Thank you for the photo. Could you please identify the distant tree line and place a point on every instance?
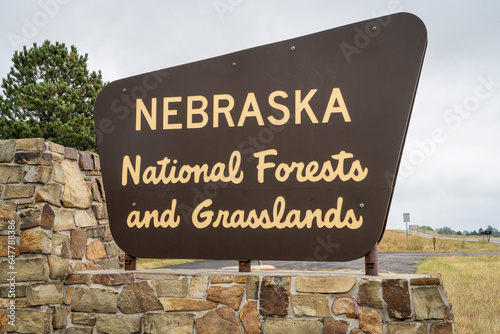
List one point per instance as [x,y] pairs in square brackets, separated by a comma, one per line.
[488,232]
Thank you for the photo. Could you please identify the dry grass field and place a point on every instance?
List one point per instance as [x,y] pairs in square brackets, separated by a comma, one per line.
[472,286]
[394,241]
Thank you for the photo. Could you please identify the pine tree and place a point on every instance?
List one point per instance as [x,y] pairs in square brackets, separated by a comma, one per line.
[50,93]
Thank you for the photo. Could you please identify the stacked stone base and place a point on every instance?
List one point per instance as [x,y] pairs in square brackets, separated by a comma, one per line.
[167,301]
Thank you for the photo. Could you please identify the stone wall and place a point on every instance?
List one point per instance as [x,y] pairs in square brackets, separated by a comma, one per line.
[60,271]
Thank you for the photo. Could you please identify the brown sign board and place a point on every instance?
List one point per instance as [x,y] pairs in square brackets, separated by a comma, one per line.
[287,151]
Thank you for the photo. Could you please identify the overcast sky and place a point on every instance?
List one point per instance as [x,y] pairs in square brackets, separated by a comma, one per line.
[451,179]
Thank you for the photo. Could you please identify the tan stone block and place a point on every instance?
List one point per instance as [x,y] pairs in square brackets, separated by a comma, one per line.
[83,318]
[346,305]
[223,319]
[99,211]
[96,192]
[19,291]
[68,295]
[34,215]
[325,284]
[138,298]
[290,326]
[58,267]
[79,330]
[50,193]
[430,302]
[58,173]
[230,296]
[249,317]
[35,269]
[7,150]
[30,144]
[95,250]
[442,327]
[370,320]
[45,293]
[310,306]
[76,278]
[94,300]
[85,218]
[60,245]
[274,295]
[198,287]
[16,191]
[112,279]
[64,220]
[78,243]
[3,322]
[118,324]
[4,247]
[97,161]
[407,328]
[33,158]
[186,304]
[335,326]
[59,316]
[37,174]
[240,279]
[70,153]
[77,195]
[217,279]
[425,281]
[369,293]
[35,241]
[8,213]
[57,158]
[172,288]
[159,323]
[155,276]
[112,249]
[10,174]
[56,148]
[30,321]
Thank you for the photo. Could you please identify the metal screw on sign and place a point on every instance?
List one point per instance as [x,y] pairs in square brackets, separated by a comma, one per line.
[233,64]
[292,48]
[374,28]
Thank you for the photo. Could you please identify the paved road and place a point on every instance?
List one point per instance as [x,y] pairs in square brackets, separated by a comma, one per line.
[400,263]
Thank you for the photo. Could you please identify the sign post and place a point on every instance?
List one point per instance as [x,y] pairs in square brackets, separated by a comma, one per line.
[406,219]
[287,151]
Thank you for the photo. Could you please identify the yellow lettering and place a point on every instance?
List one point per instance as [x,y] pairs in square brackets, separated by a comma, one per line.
[336,96]
[207,216]
[283,108]
[226,111]
[134,172]
[304,105]
[250,102]
[261,166]
[191,110]
[140,109]
[170,112]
